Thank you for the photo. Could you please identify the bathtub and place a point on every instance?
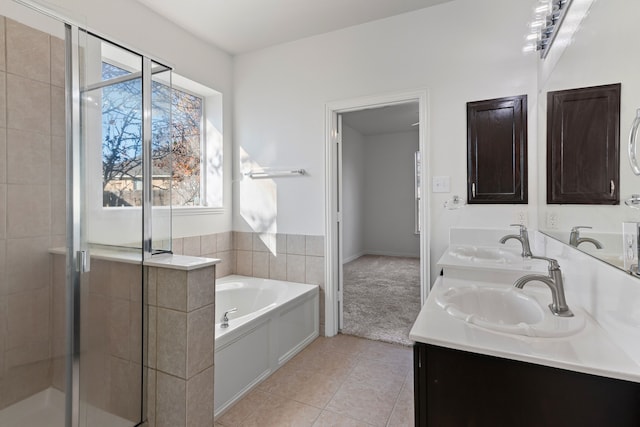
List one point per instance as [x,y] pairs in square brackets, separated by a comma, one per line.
[274,321]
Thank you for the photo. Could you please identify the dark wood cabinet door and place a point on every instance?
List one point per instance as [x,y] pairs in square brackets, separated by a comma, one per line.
[497,150]
[454,388]
[583,146]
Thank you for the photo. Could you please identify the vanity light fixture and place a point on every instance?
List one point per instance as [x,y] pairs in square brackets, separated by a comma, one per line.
[547,18]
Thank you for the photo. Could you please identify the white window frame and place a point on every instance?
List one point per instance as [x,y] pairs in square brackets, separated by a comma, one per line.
[101,228]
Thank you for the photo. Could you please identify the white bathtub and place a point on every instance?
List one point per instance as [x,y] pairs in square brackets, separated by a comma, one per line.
[274,321]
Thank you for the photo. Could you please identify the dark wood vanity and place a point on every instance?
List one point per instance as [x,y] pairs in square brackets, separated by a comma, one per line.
[456,388]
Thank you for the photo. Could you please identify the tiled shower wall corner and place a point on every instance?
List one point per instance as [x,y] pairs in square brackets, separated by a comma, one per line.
[32,203]
[292,257]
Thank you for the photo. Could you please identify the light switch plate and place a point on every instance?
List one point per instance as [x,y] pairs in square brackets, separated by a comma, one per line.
[441,184]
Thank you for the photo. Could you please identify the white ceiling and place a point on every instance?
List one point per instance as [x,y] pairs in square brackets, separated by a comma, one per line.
[389,119]
[239,26]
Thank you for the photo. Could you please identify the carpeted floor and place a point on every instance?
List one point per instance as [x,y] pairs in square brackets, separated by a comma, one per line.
[381,297]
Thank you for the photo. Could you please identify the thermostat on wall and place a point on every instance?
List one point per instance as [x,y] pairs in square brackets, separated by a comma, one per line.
[441,184]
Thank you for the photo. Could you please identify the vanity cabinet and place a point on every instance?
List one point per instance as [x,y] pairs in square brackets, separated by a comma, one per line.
[455,388]
[583,146]
[497,150]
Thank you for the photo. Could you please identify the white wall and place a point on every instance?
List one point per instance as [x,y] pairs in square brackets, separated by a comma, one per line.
[389,195]
[353,191]
[460,51]
[133,25]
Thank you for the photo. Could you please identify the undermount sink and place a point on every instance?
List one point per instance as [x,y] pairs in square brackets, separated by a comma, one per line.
[485,254]
[507,310]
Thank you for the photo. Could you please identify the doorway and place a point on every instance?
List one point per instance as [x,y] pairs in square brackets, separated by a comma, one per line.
[377,256]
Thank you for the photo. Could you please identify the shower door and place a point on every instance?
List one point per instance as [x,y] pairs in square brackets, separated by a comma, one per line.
[126,101]
[108,177]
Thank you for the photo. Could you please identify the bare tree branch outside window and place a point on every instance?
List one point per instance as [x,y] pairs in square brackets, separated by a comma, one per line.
[176,143]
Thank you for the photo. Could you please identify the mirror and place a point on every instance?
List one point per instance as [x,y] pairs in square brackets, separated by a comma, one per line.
[597,45]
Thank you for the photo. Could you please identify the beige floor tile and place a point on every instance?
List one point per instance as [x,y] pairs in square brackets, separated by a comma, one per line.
[409,381]
[254,402]
[339,343]
[339,381]
[386,352]
[378,369]
[282,413]
[403,413]
[330,419]
[277,379]
[324,361]
[364,402]
[304,386]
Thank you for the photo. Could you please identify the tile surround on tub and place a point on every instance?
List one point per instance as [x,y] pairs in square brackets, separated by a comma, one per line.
[292,257]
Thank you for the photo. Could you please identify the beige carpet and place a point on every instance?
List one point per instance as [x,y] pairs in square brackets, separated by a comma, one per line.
[381,297]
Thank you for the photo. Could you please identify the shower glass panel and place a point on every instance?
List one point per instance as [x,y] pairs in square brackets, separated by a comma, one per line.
[113,126]
[110,368]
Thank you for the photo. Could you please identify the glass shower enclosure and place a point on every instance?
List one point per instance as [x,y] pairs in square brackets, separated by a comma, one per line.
[85,173]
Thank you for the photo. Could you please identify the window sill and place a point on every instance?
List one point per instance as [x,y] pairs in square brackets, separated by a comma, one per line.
[196,210]
[175,211]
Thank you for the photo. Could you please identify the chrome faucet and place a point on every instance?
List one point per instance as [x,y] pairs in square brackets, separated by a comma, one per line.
[522,238]
[559,305]
[575,239]
[225,318]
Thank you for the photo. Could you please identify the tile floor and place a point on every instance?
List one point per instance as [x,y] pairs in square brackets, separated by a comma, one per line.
[341,381]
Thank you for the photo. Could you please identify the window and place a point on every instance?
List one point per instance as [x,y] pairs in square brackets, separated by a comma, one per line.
[186,166]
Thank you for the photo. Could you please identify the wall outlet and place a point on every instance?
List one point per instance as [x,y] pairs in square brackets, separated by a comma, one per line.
[552,220]
[521,217]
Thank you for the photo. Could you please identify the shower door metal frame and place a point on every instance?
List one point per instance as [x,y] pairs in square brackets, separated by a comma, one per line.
[77,251]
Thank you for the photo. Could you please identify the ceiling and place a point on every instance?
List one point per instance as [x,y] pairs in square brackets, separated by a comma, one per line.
[389,119]
[239,26]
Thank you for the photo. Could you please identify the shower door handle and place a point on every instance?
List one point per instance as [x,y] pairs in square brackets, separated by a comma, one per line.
[83,265]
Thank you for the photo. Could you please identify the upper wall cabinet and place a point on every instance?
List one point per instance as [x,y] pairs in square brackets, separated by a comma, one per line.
[497,150]
[583,146]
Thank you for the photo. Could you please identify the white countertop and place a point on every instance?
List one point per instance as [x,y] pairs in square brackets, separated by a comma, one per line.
[589,351]
[513,262]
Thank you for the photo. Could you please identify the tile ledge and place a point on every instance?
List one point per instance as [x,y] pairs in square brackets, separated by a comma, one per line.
[171,261]
[180,262]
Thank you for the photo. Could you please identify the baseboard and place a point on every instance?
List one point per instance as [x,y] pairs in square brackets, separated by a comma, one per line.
[353,257]
[394,254]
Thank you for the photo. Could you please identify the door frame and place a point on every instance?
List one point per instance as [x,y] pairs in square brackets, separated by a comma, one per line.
[333,162]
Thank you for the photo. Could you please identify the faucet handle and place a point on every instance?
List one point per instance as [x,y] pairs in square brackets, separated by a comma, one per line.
[224,316]
[578,227]
[523,227]
[553,263]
